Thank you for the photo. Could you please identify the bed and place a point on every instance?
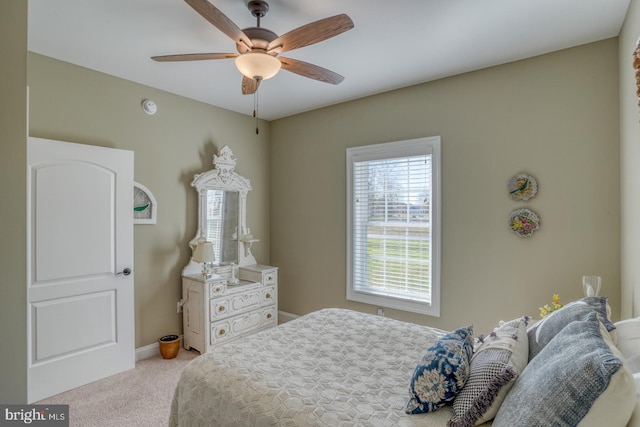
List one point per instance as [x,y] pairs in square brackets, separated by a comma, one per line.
[335,367]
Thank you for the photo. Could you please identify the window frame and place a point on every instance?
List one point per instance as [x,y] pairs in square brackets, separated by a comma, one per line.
[389,150]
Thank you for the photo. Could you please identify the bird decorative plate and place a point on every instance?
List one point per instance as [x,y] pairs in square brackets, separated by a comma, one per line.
[522,187]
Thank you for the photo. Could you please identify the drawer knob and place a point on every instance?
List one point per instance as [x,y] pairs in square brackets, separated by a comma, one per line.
[221,332]
[221,308]
[268,296]
[269,278]
[269,316]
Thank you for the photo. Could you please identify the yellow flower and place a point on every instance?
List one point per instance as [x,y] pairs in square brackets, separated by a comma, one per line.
[546,309]
[556,302]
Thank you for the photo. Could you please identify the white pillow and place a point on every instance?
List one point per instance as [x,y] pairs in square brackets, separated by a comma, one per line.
[635,418]
[628,334]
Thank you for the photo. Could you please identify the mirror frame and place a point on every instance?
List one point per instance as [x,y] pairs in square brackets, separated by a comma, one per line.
[223,177]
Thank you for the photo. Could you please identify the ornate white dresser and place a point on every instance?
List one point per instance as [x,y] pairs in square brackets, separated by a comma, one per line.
[231,295]
[216,312]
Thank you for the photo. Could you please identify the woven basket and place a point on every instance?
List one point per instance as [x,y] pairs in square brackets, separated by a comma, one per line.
[169,346]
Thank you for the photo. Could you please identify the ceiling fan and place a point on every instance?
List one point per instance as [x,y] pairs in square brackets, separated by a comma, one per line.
[258,48]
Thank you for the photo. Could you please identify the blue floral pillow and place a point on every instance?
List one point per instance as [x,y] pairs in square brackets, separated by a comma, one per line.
[441,373]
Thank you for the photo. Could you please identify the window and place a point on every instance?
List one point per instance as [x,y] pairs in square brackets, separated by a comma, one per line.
[393,225]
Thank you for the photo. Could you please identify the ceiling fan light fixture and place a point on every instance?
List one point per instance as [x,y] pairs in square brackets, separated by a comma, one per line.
[258,65]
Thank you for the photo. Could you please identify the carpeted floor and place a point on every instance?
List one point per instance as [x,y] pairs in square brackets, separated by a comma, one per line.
[139,397]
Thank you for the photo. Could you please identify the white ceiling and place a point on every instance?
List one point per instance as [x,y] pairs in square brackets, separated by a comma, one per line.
[394,43]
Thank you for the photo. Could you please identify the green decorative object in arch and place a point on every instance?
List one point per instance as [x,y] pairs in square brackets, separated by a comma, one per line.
[145,207]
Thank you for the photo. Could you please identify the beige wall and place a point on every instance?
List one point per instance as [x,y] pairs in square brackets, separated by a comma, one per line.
[630,172]
[554,116]
[74,104]
[13,160]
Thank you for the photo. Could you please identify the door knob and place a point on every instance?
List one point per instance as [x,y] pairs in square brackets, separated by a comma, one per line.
[126,272]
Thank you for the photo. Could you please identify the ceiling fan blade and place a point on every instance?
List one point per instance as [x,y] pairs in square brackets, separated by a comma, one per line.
[249,86]
[311,33]
[220,21]
[193,57]
[311,71]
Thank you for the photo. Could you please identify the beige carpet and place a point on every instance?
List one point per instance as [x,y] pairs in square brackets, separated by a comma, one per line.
[138,397]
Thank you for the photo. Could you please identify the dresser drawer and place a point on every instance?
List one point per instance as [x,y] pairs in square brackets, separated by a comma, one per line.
[243,324]
[233,304]
[217,289]
[219,309]
[270,278]
[264,274]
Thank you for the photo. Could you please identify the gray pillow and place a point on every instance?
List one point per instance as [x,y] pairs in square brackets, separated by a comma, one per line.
[559,386]
[543,332]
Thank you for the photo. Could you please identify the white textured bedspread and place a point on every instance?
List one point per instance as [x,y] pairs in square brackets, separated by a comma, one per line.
[332,367]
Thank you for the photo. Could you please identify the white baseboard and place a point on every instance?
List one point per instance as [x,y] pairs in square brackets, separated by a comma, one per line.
[283,317]
[150,350]
[147,351]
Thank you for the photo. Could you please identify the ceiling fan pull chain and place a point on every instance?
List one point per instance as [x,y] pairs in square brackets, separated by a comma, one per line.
[255,109]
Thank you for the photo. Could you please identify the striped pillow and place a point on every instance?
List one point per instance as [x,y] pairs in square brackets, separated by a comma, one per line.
[495,366]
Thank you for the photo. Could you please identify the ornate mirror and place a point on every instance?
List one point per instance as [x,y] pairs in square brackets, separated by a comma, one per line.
[222,198]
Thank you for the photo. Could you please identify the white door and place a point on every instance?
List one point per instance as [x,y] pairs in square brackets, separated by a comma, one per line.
[79,265]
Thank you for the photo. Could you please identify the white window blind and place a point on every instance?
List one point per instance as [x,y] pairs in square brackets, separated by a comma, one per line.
[215,219]
[393,201]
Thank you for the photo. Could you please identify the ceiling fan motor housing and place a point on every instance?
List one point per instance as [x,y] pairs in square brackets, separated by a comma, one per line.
[260,37]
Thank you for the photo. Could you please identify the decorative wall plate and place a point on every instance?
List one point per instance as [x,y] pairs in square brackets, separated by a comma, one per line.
[524,222]
[145,207]
[522,187]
